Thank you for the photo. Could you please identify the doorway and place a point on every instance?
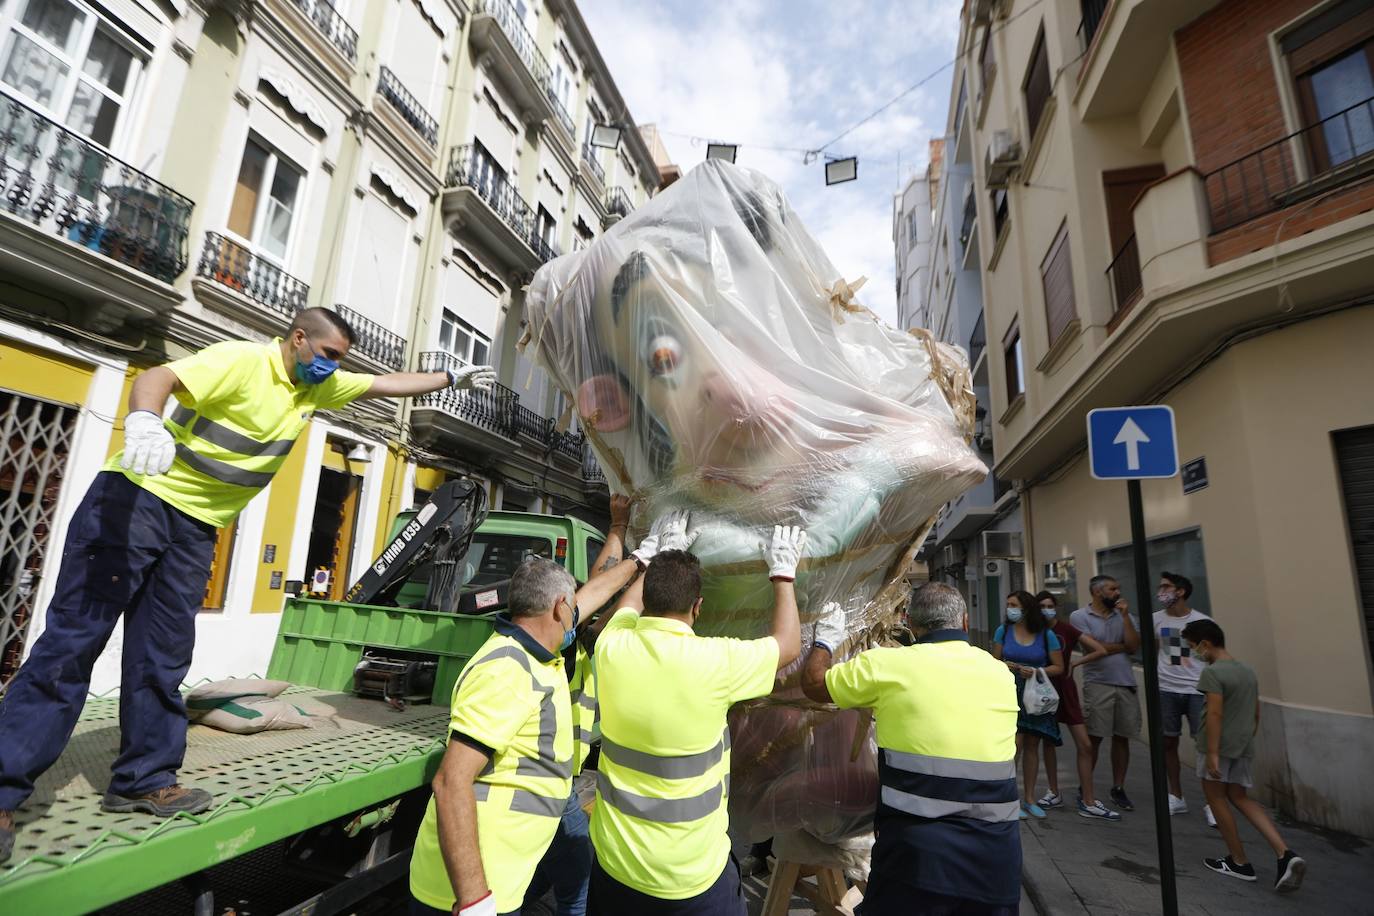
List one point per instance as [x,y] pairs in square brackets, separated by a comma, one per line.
[332,532]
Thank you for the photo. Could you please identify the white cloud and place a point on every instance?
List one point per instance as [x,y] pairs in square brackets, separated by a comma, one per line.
[793,73]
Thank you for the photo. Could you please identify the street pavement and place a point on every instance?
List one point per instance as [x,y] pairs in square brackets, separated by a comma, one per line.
[1074,866]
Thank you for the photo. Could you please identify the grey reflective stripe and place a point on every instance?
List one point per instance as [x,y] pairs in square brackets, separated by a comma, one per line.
[684,767]
[581,734]
[226,438]
[225,473]
[523,801]
[585,701]
[921,806]
[949,766]
[659,810]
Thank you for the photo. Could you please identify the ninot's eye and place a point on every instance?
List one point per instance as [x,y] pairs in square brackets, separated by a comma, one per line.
[664,355]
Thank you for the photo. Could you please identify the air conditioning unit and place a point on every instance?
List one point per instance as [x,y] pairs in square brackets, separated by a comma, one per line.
[999,568]
[951,557]
[1003,158]
[1002,544]
[981,11]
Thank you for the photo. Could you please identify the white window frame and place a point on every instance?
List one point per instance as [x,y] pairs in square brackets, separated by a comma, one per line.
[269,175]
[11,24]
[448,316]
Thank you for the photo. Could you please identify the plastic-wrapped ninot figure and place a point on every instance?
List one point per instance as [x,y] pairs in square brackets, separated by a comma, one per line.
[718,363]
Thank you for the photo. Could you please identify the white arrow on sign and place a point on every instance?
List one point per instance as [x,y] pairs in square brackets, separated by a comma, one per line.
[1131,436]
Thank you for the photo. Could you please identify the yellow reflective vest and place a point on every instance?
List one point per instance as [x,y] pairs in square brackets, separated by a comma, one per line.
[511,699]
[234,426]
[660,821]
[586,713]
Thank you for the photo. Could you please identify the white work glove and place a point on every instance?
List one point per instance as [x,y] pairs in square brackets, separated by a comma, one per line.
[668,532]
[483,907]
[784,552]
[148,447]
[830,628]
[482,377]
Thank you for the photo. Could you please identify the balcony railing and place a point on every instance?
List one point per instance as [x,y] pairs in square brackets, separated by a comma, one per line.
[1123,275]
[468,169]
[526,49]
[331,25]
[589,157]
[62,183]
[1000,211]
[1311,161]
[970,219]
[591,468]
[1093,11]
[234,267]
[570,444]
[977,342]
[408,107]
[373,340]
[492,410]
[618,202]
[560,111]
[528,423]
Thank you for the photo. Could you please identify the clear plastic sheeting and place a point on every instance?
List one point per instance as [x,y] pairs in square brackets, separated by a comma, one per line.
[717,361]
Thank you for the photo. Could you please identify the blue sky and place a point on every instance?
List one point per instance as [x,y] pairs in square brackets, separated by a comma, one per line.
[793,73]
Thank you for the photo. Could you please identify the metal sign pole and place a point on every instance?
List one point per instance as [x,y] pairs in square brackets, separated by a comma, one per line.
[1168,890]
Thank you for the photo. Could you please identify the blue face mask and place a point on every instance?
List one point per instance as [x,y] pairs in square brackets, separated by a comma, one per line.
[569,636]
[318,369]
[1014,614]
[1049,612]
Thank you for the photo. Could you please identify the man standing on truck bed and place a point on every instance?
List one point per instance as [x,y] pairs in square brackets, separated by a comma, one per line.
[505,779]
[141,542]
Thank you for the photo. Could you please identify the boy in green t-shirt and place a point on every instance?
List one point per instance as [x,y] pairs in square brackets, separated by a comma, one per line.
[1227,743]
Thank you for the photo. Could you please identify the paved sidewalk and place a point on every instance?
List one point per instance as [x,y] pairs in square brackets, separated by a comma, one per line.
[1075,866]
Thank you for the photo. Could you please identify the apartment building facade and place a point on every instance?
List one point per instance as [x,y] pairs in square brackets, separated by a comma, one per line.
[176,174]
[1173,205]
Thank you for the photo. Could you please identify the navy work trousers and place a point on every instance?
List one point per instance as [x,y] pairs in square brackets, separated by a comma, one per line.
[128,553]
[608,897]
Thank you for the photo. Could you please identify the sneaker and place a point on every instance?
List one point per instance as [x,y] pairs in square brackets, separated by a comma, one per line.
[1051,800]
[1230,869]
[164,802]
[7,834]
[1120,800]
[1034,810]
[1207,812]
[1097,810]
[1292,867]
[1177,805]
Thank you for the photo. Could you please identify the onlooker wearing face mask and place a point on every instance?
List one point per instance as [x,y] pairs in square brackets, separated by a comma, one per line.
[1178,674]
[1024,643]
[1070,714]
[1110,706]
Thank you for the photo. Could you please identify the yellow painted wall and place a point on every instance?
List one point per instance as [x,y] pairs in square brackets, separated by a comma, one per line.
[393,482]
[283,503]
[43,374]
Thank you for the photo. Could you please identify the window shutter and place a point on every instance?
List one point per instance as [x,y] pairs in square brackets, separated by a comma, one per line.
[1056,274]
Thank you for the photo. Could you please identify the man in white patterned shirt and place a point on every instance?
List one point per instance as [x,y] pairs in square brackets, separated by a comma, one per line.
[1178,674]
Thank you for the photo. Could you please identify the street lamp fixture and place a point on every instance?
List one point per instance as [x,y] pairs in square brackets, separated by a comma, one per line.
[361,454]
[838,171]
[724,151]
[606,136]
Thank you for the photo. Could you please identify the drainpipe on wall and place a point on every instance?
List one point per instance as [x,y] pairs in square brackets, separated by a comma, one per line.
[1023,494]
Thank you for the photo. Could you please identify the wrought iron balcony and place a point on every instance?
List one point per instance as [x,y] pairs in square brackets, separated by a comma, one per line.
[64,184]
[1123,275]
[234,267]
[618,202]
[407,106]
[560,111]
[589,157]
[591,468]
[977,342]
[519,36]
[970,219]
[1093,11]
[569,443]
[492,410]
[331,25]
[468,169]
[373,340]
[528,423]
[1333,152]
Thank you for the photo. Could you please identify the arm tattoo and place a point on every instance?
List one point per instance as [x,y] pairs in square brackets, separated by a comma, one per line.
[609,562]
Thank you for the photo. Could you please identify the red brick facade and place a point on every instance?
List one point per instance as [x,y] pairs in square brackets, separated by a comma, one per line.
[1231,92]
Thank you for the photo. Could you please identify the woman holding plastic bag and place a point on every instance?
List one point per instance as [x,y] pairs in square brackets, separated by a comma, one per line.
[1027,645]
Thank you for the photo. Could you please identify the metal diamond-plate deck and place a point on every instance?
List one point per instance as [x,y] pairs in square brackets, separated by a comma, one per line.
[266,786]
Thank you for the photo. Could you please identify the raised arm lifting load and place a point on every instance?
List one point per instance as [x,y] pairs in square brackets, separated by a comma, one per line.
[717,361]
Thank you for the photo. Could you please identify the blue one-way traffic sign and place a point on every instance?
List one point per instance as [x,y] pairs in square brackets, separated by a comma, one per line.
[1129,443]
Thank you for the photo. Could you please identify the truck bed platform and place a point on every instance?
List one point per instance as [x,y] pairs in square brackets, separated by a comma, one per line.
[71,857]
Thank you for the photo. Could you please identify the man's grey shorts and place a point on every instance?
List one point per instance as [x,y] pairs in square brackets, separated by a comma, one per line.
[1174,706]
[1110,710]
[1234,770]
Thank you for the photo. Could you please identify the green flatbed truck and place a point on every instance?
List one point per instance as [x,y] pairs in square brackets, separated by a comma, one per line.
[342,799]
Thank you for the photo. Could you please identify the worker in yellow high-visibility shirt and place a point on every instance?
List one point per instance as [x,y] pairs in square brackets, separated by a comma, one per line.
[948,812]
[505,779]
[660,821]
[141,542]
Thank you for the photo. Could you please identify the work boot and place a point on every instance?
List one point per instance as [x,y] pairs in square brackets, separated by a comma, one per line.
[6,834]
[163,802]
